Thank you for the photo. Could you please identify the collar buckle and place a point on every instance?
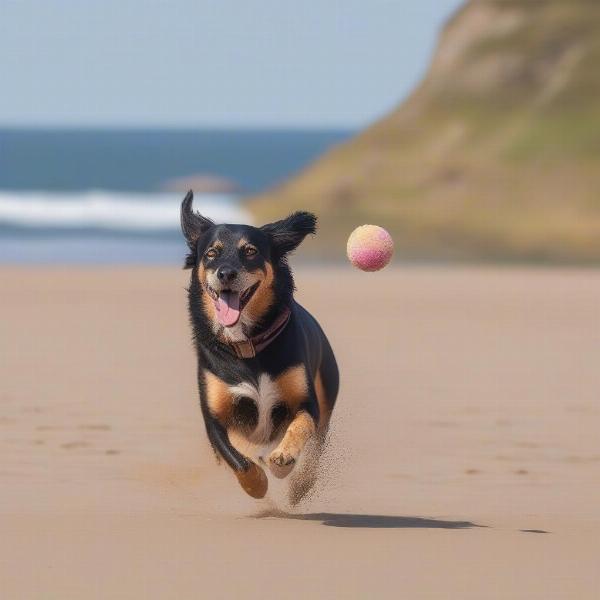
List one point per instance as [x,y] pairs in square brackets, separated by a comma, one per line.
[244,349]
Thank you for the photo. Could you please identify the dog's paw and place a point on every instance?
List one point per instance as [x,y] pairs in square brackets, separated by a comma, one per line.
[281,463]
[254,481]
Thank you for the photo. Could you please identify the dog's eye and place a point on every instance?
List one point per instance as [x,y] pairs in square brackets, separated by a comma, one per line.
[250,251]
[212,253]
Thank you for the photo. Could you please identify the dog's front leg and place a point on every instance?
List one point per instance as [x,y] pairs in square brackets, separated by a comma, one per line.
[299,431]
[251,477]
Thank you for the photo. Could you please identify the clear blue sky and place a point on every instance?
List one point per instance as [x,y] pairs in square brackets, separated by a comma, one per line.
[212,63]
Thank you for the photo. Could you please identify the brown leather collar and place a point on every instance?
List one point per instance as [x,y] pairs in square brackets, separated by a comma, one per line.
[251,347]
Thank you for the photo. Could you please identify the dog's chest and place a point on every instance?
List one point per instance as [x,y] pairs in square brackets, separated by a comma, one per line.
[253,406]
[261,407]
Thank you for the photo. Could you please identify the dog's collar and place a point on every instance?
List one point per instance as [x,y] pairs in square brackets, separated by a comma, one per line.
[252,346]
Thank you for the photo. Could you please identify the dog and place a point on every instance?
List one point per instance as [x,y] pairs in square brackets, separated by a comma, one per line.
[267,375]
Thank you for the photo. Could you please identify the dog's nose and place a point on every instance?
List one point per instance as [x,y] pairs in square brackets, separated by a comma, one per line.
[226,274]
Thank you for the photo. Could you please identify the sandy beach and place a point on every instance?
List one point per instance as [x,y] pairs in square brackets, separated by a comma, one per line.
[464,460]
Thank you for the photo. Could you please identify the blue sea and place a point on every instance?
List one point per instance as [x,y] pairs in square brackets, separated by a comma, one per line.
[106,196]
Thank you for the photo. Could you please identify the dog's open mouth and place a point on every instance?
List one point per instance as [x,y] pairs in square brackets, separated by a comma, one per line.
[229,304]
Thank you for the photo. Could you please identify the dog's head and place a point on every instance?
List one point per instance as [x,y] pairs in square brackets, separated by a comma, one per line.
[240,273]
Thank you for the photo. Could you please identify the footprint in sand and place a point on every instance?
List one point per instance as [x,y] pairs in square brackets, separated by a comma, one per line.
[582,459]
[95,427]
[533,531]
[74,445]
[527,445]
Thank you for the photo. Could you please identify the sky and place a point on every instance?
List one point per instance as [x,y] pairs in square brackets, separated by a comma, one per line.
[217,63]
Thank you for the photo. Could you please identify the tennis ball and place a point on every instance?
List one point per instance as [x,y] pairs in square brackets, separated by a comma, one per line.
[370,247]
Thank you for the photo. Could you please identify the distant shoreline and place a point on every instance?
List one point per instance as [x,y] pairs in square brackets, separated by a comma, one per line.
[144,160]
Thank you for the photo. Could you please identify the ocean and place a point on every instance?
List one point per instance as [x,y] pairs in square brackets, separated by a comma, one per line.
[112,196]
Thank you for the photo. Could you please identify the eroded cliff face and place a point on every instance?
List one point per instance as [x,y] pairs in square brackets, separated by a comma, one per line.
[494,155]
[525,51]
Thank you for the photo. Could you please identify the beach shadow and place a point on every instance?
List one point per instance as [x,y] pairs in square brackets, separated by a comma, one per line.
[358,521]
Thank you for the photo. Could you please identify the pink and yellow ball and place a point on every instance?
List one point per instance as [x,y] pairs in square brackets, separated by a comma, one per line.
[370,247]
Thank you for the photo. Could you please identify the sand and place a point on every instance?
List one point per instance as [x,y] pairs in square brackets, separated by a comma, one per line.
[464,462]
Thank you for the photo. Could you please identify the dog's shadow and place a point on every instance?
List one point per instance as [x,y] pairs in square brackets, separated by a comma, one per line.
[368,521]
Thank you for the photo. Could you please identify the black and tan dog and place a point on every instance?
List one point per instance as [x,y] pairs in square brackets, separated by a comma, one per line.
[267,375]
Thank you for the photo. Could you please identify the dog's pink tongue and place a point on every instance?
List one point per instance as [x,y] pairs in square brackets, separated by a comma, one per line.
[228,308]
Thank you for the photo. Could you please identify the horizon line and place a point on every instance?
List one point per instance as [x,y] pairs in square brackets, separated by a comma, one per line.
[177,127]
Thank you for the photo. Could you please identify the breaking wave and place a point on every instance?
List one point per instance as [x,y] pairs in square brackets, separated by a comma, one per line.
[120,212]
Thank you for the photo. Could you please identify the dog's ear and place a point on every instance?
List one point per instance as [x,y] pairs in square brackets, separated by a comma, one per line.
[193,225]
[287,234]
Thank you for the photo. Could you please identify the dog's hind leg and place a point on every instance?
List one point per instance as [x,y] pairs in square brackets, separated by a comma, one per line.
[304,480]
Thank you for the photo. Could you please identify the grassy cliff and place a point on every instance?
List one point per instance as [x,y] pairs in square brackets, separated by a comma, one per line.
[495,155]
